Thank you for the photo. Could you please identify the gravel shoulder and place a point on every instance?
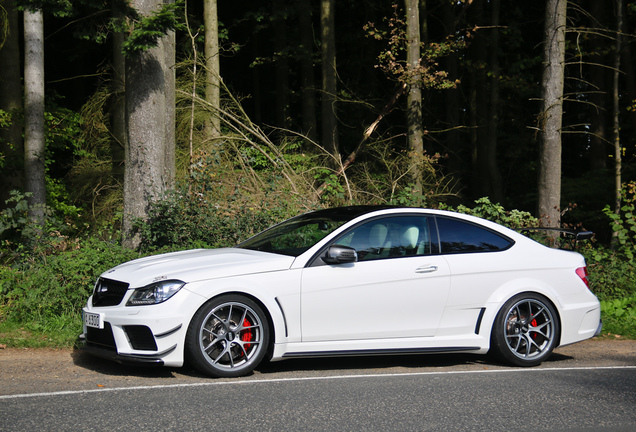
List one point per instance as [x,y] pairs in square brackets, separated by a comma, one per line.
[29,371]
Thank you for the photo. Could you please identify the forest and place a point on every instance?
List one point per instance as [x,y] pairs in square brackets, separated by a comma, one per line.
[130,127]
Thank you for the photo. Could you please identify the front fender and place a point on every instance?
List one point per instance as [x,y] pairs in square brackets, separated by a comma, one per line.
[283,308]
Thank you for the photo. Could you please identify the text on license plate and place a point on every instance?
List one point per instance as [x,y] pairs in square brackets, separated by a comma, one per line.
[93,320]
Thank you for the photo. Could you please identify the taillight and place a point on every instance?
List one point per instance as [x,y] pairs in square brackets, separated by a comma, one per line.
[582,273]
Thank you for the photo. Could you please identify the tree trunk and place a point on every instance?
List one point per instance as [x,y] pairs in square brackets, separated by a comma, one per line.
[495,188]
[213,68]
[479,99]
[118,108]
[424,20]
[452,108]
[598,79]
[549,187]
[308,82]
[329,76]
[149,103]
[11,143]
[629,79]
[414,97]
[34,140]
[281,65]
[618,153]
[169,90]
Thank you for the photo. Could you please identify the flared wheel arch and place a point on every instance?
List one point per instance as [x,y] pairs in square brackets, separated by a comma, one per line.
[546,298]
[264,308]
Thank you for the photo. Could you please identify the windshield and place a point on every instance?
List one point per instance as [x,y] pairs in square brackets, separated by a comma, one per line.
[298,234]
[292,237]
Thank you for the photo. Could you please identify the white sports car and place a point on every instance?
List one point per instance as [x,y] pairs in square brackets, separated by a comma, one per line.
[364,280]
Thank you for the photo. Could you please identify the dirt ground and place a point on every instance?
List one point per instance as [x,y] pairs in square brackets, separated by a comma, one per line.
[31,371]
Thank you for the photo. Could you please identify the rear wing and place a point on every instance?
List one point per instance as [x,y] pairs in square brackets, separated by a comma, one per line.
[565,238]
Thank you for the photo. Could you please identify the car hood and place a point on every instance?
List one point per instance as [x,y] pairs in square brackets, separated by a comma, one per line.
[197,264]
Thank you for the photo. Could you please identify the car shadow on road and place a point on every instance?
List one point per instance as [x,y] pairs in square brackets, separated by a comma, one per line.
[379,364]
[112,368]
[415,361]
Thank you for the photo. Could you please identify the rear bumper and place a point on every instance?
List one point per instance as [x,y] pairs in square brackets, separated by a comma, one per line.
[599,329]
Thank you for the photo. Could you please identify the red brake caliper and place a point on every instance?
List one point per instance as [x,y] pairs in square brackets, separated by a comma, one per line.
[534,324]
[247,334]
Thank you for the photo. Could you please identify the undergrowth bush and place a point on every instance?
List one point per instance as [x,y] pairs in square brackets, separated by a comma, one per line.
[182,221]
[613,269]
[497,213]
[216,207]
[46,293]
[42,292]
[619,315]
[17,231]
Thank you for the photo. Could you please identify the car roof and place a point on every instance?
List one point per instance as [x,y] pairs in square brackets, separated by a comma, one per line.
[349,212]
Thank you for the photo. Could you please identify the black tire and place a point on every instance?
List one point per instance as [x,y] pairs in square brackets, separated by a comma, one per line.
[526,330]
[227,337]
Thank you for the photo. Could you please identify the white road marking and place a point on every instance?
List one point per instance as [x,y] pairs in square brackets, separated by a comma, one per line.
[317,378]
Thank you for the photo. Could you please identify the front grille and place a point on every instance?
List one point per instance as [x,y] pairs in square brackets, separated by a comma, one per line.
[103,337]
[140,337]
[109,292]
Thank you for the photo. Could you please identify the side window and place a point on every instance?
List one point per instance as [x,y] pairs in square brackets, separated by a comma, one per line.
[458,236]
[390,237]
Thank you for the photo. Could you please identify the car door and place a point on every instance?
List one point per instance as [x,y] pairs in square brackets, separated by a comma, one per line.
[396,289]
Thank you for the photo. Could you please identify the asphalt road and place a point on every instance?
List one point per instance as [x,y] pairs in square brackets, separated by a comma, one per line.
[587,387]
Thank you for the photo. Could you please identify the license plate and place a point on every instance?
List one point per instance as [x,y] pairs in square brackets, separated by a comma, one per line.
[94,320]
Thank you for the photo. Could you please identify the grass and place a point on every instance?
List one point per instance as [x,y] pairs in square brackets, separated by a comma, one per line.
[60,333]
[624,327]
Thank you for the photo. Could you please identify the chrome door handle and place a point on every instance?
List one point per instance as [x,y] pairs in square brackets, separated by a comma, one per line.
[426,269]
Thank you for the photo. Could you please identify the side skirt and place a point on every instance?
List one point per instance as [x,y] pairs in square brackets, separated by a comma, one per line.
[376,352]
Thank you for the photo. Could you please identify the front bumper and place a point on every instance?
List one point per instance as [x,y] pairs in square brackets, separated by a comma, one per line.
[151,335]
[127,359]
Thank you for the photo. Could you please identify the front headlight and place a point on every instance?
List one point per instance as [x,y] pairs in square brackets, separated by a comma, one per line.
[154,293]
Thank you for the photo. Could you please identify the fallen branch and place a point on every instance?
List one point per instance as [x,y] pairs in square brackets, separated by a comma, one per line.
[367,133]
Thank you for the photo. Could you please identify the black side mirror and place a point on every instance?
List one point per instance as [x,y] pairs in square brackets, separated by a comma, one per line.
[337,254]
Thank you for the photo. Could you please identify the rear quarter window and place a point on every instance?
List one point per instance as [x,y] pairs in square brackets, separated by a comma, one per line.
[456,236]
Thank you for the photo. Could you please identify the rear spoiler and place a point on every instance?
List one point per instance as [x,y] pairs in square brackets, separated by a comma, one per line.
[568,236]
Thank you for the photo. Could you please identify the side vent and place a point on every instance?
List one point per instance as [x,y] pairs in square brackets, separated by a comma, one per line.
[479,318]
[140,337]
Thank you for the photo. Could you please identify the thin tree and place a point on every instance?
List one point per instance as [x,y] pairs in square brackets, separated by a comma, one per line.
[495,188]
[329,76]
[618,156]
[169,94]
[281,64]
[307,91]
[599,97]
[414,96]
[452,110]
[34,140]
[118,107]
[484,101]
[11,143]
[212,66]
[478,99]
[549,187]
